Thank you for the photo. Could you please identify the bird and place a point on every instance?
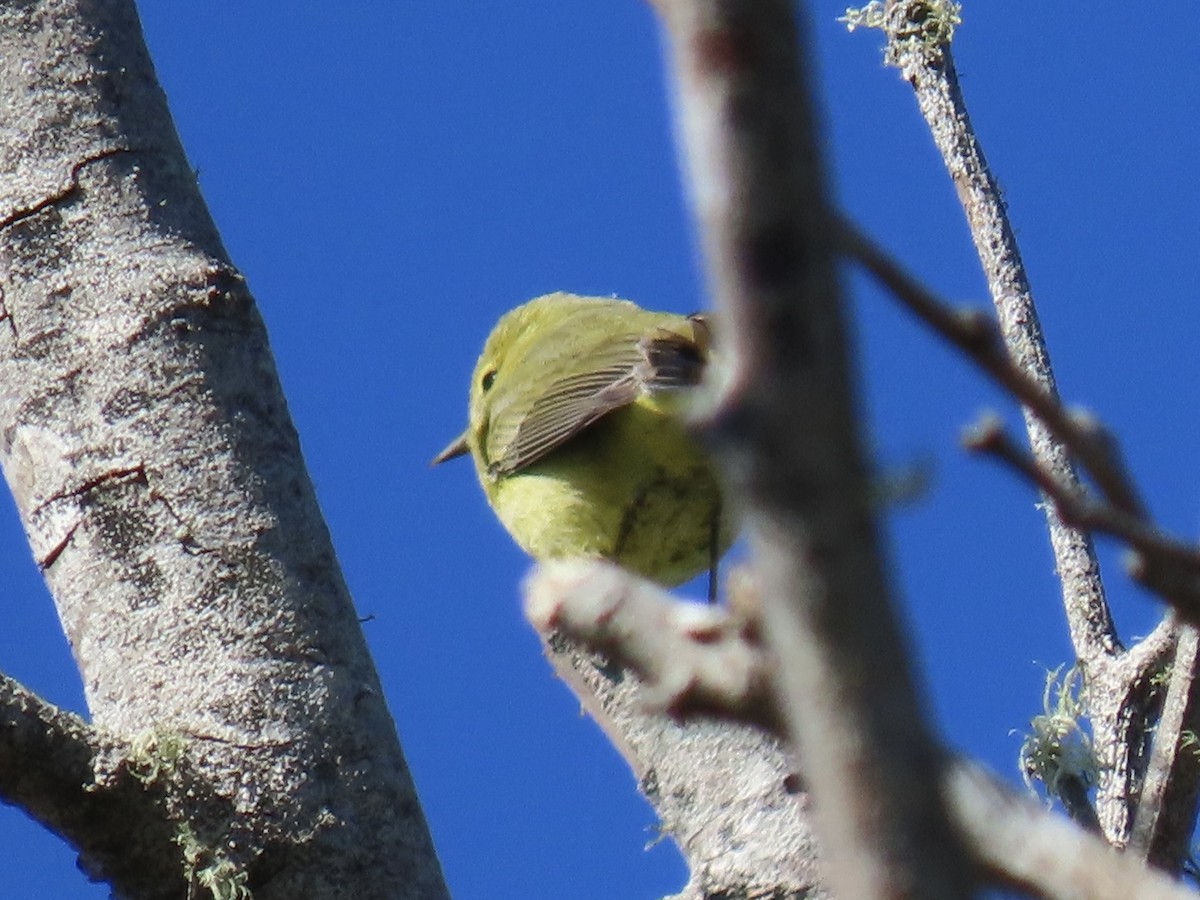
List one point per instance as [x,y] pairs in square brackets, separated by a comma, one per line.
[576,429]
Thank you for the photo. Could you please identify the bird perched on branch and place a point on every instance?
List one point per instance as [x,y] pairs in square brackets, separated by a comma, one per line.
[576,431]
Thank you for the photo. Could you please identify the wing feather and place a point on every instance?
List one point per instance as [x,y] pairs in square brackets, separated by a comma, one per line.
[671,360]
[568,406]
[626,365]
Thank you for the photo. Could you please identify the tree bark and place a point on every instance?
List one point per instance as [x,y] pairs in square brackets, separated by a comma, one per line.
[786,429]
[159,478]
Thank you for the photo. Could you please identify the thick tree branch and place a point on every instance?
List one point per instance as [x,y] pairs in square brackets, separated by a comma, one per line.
[48,762]
[726,793]
[787,431]
[159,477]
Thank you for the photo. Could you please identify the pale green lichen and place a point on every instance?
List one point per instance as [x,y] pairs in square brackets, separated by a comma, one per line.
[869,16]
[1058,747]
[217,874]
[929,26]
[155,755]
[156,758]
[1190,742]
[1161,678]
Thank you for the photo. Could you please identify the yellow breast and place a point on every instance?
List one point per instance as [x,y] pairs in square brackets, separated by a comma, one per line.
[653,512]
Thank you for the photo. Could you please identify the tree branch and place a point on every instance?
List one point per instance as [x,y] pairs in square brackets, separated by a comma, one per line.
[48,759]
[787,432]
[1164,564]
[976,335]
[692,659]
[929,67]
[1025,846]
[639,626]
[159,477]
[1120,710]
[725,793]
[1166,812]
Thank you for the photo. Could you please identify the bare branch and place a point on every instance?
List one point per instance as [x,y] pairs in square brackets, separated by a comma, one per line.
[977,336]
[1167,565]
[1026,846]
[929,67]
[1167,807]
[726,793]
[48,759]
[1163,559]
[691,658]
[787,432]
[918,44]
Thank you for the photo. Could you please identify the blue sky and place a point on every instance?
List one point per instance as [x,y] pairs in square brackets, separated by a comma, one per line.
[391,177]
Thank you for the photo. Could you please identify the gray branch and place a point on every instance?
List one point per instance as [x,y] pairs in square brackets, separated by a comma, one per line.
[1121,703]
[48,763]
[1166,812]
[159,478]
[726,793]
[732,799]
[787,431]
[929,68]
[1025,846]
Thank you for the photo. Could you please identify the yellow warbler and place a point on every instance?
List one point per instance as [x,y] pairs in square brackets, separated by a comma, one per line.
[574,430]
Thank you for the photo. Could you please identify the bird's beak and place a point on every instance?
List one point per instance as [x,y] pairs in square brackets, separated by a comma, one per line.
[456,447]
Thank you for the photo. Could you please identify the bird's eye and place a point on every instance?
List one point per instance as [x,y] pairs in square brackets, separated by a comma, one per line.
[486,381]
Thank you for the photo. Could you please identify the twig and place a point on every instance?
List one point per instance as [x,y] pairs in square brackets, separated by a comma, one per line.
[1163,559]
[1168,565]
[1167,806]
[977,336]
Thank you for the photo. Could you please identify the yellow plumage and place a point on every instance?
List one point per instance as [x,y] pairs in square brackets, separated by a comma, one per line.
[577,441]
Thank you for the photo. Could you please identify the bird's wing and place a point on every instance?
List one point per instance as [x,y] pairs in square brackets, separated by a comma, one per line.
[672,360]
[625,367]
